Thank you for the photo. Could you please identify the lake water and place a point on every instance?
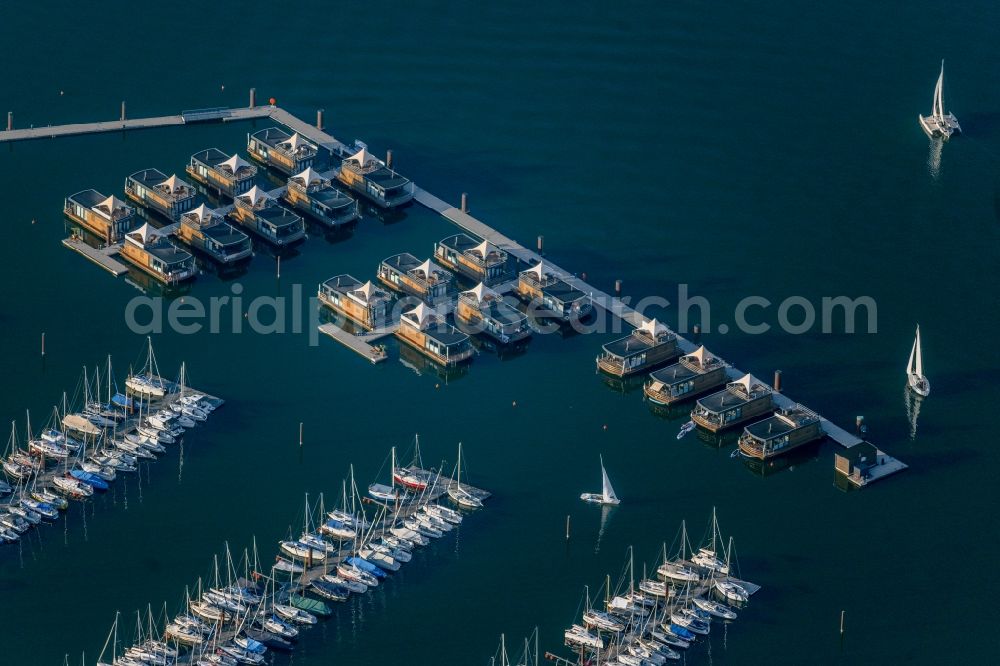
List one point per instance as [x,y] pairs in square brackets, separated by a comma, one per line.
[737,149]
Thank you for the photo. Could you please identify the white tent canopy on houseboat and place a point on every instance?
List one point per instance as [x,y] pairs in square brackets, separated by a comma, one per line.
[747,381]
[421,314]
[235,163]
[701,355]
[202,213]
[483,249]
[362,157]
[173,184]
[309,176]
[653,327]
[428,268]
[293,142]
[145,233]
[366,291]
[255,195]
[538,270]
[481,292]
[111,204]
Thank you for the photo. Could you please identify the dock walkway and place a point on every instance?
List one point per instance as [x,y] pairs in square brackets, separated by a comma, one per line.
[103,257]
[362,344]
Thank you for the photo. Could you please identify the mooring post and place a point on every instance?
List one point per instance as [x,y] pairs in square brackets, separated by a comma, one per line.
[43,344]
[777,380]
[253,98]
[618,288]
[465,202]
[279,267]
[300,434]
[319,119]
[842,622]
[10,120]
[567,527]
[541,245]
[123,110]
[388,158]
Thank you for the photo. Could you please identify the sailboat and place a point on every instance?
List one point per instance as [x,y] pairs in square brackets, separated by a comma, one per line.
[607,494]
[915,369]
[389,494]
[413,476]
[708,556]
[939,125]
[462,496]
[147,383]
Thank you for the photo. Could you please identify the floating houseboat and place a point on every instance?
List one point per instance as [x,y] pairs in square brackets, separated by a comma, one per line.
[152,253]
[227,174]
[275,148]
[692,375]
[741,400]
[784,431]
[153,189]
[203,230]
[369,176]
[365,304]
[312,194]
[407,274]
[108,217]
[484,310]
[555,297]
[257,211]
[483,261]
[429,333]
[647,347]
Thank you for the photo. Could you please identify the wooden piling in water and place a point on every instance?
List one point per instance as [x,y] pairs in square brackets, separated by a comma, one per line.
[567,527]
[777,380]
[123,111]
[465,202]
[319,119]
[388,158]
[10,120]
[43,344]
[253,98]
[300,434]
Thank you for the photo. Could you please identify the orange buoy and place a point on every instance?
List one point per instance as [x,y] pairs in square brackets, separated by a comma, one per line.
[272,101]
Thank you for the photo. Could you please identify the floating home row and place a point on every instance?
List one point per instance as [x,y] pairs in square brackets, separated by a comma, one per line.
[225,239]
[481,309]
[745,402]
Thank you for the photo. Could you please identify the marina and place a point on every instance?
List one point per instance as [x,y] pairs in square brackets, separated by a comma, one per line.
[250,609]
[559,294]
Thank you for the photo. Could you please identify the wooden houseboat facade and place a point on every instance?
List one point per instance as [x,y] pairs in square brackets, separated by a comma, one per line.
[153,189]
[207,232]
[780,433]
[483,310]
[429,333]
[369,176]
[156,256]
[314,195]
[258,212]
[108,217]
[552,296]
[741,400]
[648,346]
[407,274]
[227,174]
[364,304]
[693,375]
[480,261]
[274,147]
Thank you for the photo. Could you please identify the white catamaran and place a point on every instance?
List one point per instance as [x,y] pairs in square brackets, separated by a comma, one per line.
[915,369]
[939,125]
[607,494]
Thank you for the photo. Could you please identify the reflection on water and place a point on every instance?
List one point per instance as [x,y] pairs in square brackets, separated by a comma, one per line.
[422,365]
[150,286]
[672,412]
[934,158]
[606,511]
[787,461]
[912,402]
[484,343]
[717,440]
[623,385]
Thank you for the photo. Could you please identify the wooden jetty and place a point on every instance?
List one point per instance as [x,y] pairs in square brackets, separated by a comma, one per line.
[362,343]
[103,256]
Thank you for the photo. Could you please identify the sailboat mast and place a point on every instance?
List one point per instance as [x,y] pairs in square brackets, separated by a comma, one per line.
[918,367]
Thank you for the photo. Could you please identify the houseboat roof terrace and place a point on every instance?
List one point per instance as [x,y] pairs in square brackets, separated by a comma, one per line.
[213,226]
[427,270]
[366,294]
[644,338]
[230,164]
[483,252]
[736,393]
[157,245]
[170,187]
[492,305]
[293,145]
[111,207]
[372,168]
[434,325]
[781,423]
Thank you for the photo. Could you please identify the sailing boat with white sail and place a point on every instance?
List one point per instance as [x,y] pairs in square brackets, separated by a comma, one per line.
[939,125]
[607,494]
[915,378]
[462,496]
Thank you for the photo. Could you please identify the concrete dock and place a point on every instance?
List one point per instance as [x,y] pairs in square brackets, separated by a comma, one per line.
[103,257]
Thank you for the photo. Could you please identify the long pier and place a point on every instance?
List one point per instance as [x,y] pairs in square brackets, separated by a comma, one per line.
[460,218]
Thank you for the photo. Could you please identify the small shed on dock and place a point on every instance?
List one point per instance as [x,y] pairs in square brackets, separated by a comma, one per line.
[857,462]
